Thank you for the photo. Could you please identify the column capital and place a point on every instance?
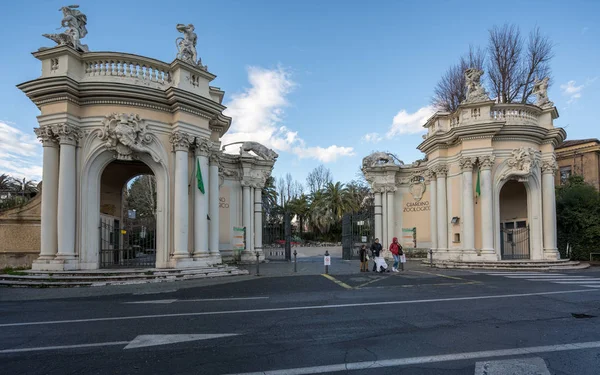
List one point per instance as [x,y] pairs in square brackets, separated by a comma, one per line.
[486,161]
[466,163]
[429,175]
[67,134]
[46,136]
[390,189]
[180,140]
[441,170]
[549,166]
[215,158]
[203,146]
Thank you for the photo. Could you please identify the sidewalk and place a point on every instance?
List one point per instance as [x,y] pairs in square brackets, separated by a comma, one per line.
[315,266]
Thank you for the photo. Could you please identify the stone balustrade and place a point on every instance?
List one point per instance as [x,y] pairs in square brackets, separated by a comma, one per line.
[98,66]
[515,114]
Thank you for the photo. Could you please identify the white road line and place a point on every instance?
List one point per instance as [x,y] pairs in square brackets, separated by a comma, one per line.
[592,286]
[167,301]
[589,281]
[6,351]
[508,273]
[545,277]
[427,359]
[317,307]
[564,279]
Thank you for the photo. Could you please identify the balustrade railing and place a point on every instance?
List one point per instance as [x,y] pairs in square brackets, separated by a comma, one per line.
[515,114]
[100,65]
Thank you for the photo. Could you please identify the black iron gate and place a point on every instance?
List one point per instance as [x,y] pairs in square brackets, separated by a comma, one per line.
[514,243]
[130,246]
[357,229]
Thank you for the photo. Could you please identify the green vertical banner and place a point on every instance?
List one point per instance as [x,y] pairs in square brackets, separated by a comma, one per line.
[199,176]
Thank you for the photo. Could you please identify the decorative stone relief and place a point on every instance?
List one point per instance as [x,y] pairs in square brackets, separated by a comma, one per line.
[46,135]
[550,165]
[428,174]
[214,157]
[521,164]
[440,170]
[487,161]
[540,90]
[125,134]
[417,187]
[75,22]
[466,163]
[475,91]
[181,140]
[67,134]
[260,151]
[186,46]
[380,158]
[203,146]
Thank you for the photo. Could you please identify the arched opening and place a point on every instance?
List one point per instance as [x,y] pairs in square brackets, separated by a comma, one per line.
[128,204]
[514,222]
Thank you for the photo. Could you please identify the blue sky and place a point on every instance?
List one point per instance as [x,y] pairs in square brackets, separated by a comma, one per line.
[309,78]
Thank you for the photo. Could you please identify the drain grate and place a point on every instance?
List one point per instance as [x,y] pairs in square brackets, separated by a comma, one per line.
[582,316]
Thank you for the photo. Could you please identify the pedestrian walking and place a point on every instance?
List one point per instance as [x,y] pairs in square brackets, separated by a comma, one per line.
[375,250]
[396,250]
[364,259]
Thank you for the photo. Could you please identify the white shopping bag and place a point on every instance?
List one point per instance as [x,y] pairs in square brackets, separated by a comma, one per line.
[402,258]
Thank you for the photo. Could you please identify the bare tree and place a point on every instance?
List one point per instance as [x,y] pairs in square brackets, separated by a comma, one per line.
[536,62]
[318,179]
[451,89]
[288,189]
[512,69]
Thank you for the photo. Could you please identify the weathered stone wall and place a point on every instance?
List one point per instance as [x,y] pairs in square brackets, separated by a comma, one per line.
[20,234]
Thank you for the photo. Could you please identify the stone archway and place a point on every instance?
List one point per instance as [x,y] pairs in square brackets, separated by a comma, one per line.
[514,224]
[99,158]
[127,237]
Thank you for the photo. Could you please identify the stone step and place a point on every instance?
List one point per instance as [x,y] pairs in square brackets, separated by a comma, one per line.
[122,273]
[75,279]
[530,266]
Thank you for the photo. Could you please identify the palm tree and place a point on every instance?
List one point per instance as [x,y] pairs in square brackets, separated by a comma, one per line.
[269,198]
[301,208]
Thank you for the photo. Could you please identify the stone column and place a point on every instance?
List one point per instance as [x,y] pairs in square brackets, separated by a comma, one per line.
[442,209]
[201,199]
[67,190]
[390,215]
[181,143]
[549,168]
[468,212]
[246,212]
[213,206]
[258,219]
[378,216]
[432,209]
[487,223]
[48,240]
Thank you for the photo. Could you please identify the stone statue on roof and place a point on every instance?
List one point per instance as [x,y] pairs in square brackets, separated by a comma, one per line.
[186,45]
[75,23]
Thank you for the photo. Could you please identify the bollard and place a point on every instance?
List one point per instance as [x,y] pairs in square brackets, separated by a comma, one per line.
[257,263]
[431,258]
[295,253]
[326,265]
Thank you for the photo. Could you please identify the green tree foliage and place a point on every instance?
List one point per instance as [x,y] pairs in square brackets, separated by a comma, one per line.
[578,218]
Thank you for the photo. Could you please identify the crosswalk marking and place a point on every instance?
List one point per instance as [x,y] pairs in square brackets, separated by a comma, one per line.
[556,278]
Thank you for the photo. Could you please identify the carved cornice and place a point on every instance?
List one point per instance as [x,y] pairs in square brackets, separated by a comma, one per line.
[181,141]
[466,163]
[67,134]
[46,136]
[219,123]
[486,161]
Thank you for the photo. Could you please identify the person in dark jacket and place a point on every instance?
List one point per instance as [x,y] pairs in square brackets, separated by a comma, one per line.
[364,259]
[375,251]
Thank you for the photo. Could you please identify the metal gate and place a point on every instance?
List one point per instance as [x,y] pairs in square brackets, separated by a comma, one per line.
[130,246]
[274,240]
[357,229]
[514,243]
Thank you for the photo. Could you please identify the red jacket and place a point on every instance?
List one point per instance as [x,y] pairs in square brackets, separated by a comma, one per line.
[395,247]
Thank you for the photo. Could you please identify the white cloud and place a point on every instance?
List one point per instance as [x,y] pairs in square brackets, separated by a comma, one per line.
[570,90]
[258,115]
[372,137]
[20,153]
[410,123]
[324,155]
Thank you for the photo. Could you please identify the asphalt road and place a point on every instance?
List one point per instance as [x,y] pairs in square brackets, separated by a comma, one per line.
[421,321]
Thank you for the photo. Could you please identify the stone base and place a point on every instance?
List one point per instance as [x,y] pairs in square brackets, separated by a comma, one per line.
[551,254]
[250,256]
[190,262]
[464,255]
[55,265]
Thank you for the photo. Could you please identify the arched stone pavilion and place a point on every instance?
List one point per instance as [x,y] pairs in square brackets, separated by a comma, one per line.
[510,214]
[106,117]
